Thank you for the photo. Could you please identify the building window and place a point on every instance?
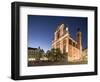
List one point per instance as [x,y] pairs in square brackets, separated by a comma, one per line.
[70,41]
[64,46]
[64,49]
[74,44]
[58,34]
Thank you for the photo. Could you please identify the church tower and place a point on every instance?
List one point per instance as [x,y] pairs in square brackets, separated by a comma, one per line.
[79,39]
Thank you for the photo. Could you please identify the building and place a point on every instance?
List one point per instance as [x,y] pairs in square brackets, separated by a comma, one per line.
[32,53]
[35,54]
[32,50]
[66,44]
[84,54]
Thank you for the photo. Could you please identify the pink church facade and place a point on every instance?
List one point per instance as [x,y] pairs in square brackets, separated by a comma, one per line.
[66,44]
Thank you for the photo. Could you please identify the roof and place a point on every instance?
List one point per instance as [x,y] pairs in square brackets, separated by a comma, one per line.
[60,26]
[72,39]
[30,48]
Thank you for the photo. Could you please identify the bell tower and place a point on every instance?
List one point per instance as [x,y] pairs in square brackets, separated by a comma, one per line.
[79,39]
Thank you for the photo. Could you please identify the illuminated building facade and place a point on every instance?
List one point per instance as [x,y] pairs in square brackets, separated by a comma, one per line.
[66,44]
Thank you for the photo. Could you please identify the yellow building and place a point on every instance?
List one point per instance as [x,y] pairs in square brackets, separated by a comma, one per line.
[65,43]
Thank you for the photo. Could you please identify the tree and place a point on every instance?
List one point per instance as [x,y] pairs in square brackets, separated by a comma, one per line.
[40,53]
[49,55]
[65,57]
[56,55]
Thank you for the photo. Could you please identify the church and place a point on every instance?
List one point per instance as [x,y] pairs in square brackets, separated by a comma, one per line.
[67,44]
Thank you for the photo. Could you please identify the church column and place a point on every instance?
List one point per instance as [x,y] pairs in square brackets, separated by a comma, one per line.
[61,46]
[66,44]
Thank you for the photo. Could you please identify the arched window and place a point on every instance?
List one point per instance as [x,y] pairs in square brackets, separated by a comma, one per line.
[64,46]
[58,34]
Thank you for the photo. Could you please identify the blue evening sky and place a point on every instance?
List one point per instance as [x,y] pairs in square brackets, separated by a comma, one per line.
[41,29]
